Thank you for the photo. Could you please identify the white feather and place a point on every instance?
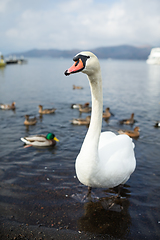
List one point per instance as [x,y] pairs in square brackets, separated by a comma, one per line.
[105,159]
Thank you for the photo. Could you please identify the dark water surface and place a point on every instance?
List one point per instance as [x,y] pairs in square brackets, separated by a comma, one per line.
[38,186]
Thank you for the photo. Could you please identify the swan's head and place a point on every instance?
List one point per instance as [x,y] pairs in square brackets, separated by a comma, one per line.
[85,62]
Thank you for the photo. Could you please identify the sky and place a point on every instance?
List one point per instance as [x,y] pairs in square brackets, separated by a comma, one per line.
[77,24]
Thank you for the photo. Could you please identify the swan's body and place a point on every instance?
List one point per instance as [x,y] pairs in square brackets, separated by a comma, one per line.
[133,134]
[8,106]
[105,159]
[30,121]
[40,140]
[46,111]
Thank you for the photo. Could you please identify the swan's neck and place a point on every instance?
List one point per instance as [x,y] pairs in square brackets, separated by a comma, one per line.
[91,140]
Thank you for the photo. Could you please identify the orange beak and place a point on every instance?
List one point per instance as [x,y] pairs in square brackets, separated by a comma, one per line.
[76,67]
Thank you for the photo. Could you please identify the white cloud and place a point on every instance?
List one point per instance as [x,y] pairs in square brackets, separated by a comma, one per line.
[81,24]
[3,5]
[12,33]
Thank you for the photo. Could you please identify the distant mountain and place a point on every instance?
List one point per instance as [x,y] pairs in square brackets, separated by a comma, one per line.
[123,52]
[115,52]
[54,53]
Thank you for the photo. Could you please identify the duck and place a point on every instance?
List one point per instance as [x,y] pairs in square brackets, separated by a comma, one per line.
[107,113]
[157,124]
[85,108]
[77,105]
[46,111]
[30,121]
[40,140]
[129,121]
[77,87]
[133,134]
[8,106]
[105,160]
[81,121]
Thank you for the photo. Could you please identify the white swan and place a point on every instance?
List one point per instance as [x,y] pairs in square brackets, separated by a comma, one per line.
[105,160]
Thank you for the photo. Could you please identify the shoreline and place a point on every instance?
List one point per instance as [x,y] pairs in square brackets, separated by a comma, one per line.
[13,230]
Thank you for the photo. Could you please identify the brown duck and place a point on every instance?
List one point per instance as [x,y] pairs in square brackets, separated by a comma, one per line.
[85,108]
[46,111]
[107,113]
[30,121]
[128,121]
[8,107]
[82,121]
[133,134]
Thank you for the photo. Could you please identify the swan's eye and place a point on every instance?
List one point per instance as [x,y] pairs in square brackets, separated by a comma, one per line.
[77,63]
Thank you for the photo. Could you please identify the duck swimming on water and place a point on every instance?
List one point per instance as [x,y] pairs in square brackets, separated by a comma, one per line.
[8,106]
[157,124]
[40,140]
[78,105]
[30,121]
[107,113]
[129,121]
[133,134]
[46,111]
[81,121]
[85,109]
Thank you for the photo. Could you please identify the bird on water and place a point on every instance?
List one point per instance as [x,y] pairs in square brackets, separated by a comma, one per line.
[105,160]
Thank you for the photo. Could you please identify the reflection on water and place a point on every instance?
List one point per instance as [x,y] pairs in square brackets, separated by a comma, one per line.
[109,215]
[37,185]
[153,76]
[106,216]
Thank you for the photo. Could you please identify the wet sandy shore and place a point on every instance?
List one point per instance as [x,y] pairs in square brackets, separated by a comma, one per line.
[13,230]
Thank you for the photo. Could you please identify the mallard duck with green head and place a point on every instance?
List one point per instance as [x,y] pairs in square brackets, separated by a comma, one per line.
[41,140]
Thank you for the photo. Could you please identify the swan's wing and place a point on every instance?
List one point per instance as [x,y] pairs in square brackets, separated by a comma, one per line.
[105,137]
[111,144]
[116,156]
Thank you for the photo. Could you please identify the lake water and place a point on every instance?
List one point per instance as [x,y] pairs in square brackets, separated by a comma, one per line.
[38,186]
